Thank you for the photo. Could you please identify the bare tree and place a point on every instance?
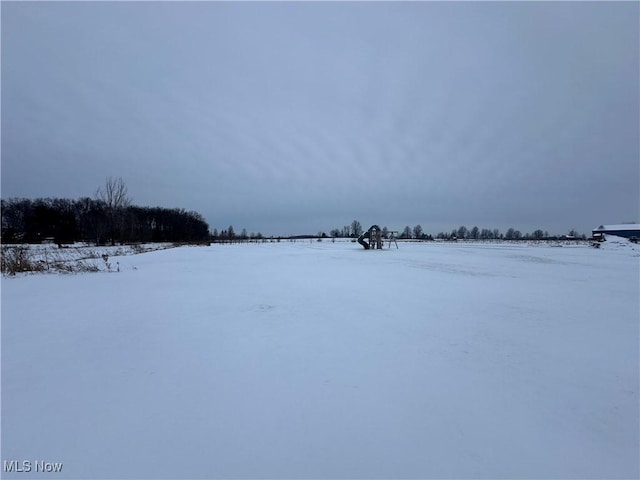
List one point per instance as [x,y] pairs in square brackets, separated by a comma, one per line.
[115,199]
[356,228]
[114,193]
[510,235]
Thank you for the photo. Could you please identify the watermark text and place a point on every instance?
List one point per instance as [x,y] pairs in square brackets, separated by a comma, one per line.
[29,466]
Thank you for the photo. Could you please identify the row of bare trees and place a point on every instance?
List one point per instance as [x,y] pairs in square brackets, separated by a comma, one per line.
[109,217]
[355,229]
[476,233]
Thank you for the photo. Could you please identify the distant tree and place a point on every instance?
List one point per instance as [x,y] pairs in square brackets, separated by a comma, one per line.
[346,231]
[243,234]
[496,233]
[385,232]
[417,231]
[231,234]
[406,233]
[356,228]
[475,233]
[462,232]
[15,213]
[538,234]
[510,234]
[41,220]
[517,235]
[335,233]
[66,228]
[92,221]
[115,197]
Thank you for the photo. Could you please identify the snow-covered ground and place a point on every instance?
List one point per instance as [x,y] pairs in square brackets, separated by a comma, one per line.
[323,360]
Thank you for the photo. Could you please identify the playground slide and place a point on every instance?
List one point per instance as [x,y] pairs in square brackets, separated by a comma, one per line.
[373,229]
[362,241]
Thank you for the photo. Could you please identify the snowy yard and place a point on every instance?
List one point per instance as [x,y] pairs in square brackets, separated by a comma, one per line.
[323,360]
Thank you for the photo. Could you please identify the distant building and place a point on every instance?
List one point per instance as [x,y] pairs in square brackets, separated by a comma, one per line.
[631,230]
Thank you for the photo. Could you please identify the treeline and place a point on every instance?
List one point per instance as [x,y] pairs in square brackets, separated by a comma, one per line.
[476,233]
[98,221]
[355,229]
[230,235]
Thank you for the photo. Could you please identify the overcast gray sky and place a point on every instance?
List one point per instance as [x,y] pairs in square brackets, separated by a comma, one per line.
[289,118]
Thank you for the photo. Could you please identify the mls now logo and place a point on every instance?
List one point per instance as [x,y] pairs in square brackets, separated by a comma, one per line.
[26,466]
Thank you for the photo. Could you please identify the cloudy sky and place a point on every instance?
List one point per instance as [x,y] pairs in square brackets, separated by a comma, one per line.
[287,118]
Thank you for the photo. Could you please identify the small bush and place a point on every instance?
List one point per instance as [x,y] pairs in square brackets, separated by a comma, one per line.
[18,258]
[21,259]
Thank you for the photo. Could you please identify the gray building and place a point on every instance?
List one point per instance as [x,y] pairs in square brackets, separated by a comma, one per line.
[629,230]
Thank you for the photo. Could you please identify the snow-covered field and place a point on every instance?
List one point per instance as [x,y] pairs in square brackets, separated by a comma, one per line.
[323,360]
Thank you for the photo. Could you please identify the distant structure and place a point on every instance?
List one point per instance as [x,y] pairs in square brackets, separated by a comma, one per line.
[372,238]
[392,237]
[631,230]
